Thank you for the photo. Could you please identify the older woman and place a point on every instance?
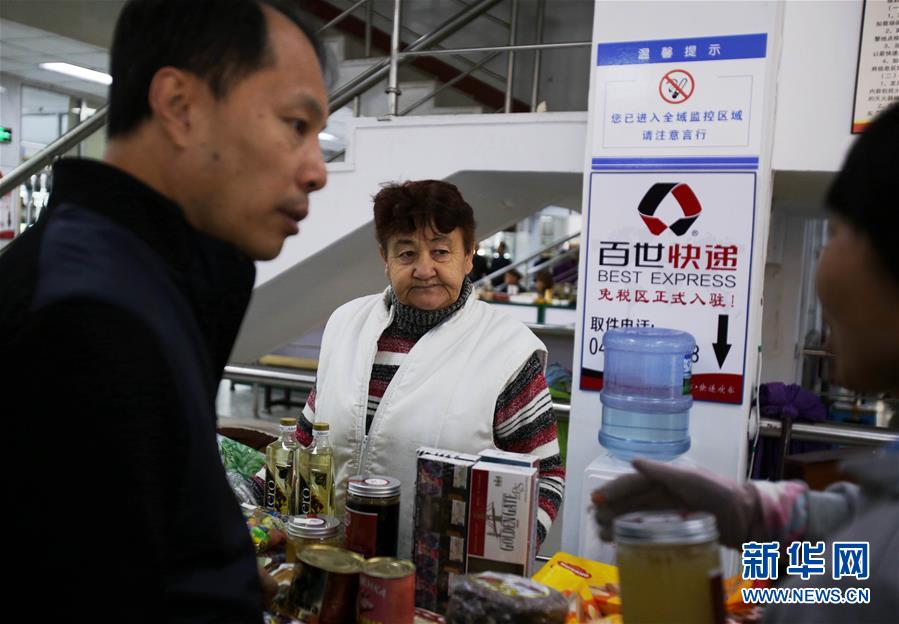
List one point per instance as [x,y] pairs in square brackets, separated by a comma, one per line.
[426,364]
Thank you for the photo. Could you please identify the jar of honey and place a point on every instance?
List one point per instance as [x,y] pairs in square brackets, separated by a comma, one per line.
[669,567]
[303,531]
[373,515]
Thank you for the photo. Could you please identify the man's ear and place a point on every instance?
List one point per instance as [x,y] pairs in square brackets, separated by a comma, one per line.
[173,96]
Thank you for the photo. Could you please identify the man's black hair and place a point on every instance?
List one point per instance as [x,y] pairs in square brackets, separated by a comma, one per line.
[866,190]
[221,41]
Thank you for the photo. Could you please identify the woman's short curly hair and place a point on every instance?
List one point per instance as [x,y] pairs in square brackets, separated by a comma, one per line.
[411,206]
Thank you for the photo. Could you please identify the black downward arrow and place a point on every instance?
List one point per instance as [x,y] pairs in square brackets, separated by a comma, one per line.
[722,347]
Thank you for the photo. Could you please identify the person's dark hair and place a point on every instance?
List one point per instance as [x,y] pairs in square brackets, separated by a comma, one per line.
[514,273]
[866,190]
[221,41]
[411,206]
[546,277]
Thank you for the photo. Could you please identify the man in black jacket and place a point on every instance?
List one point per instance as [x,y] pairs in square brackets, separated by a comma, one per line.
[119,309]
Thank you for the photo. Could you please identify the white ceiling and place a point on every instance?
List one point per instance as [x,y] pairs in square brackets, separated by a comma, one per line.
[23,48]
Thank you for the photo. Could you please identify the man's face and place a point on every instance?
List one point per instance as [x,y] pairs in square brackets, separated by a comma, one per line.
[255,157]
[426,268]
[860,302]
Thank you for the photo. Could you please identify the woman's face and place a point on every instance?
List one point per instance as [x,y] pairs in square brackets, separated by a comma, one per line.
[426,268]
[861,305]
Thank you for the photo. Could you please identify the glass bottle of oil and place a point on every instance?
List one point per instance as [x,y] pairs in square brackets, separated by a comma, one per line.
[279,457]
[314,493]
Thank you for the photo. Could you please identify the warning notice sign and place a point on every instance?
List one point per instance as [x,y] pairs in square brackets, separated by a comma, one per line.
[672,248]
[674,94]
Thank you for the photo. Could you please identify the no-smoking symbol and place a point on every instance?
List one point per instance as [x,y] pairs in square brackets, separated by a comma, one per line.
[676,86]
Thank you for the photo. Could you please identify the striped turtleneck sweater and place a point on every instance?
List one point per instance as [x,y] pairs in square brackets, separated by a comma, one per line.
[523,420]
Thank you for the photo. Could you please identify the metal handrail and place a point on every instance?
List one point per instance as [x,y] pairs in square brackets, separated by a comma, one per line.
[340,17]
[837,434]
[488,17]
[428,97]
[833,433]
[61,145]
[506,48]
[499,273]
[265,375]
[417,35]
[538,58]
[374,74]
[268,376]
[393,90]
[510,60]
[446,85]
[553,261]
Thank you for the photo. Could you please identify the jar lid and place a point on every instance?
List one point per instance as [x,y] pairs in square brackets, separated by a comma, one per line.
[331,559]
[388,568]
[665,527]
[321,426]
[374,486]
[313,527]
[288,422]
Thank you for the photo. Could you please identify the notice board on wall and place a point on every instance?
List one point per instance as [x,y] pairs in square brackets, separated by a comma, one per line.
[877,76]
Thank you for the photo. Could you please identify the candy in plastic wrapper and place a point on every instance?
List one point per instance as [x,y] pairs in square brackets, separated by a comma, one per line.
[590,587]
[240,458]
[266,529]
[242,487]
[504,599]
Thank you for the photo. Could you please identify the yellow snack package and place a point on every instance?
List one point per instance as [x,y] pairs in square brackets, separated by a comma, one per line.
[591,587]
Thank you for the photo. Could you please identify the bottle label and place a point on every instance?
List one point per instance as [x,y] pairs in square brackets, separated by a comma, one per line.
[275,494]
[361,532]
[320,492]
[305,496]
[688,374]
[271,490]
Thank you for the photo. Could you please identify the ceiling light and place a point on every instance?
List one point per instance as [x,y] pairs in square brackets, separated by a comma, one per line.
[82,73]
[327,136]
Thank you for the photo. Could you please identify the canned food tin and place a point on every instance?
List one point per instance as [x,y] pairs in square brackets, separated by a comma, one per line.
[325,585]
[680,548]
[387,591]
[373,515]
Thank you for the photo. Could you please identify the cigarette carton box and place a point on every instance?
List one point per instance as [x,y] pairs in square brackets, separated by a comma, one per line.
[441,524]
[502,518]
[505,457]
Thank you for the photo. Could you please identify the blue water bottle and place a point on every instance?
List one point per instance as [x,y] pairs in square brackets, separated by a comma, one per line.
[646,397]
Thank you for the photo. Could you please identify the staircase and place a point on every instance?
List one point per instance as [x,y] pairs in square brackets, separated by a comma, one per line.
[414,86]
